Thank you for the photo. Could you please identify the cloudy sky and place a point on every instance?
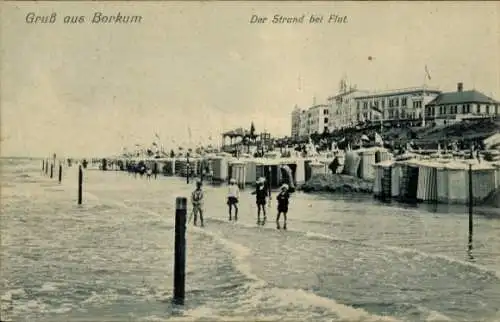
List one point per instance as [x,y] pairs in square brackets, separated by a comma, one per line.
[91,89]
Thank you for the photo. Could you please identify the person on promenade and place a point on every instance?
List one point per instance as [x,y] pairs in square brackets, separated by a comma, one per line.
[197,202]
[261,195]
[233,196]
[283,199]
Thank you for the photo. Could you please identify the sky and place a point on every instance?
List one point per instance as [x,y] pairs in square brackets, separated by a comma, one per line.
[92,89]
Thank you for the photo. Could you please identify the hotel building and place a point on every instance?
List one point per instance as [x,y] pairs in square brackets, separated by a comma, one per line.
[397,104]
[453,106]
[342,109]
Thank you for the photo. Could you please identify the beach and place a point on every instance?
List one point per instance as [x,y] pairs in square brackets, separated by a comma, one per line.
[343,258]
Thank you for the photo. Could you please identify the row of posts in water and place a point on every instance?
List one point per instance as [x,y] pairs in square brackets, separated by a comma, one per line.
[180,230]
[46,165]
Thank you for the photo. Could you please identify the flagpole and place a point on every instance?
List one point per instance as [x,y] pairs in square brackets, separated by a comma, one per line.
[423,95]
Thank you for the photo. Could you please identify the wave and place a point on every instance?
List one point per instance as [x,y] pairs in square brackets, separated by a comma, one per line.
[286,295]
[258,287]
[404,251]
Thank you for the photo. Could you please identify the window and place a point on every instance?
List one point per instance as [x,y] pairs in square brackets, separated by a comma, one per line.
[326,120]
[325,112]
[496,109]
[383,103]
[403,101]
[396,102]
[391,103]
[357,104]
[365,105]
[487,109]
[478,108]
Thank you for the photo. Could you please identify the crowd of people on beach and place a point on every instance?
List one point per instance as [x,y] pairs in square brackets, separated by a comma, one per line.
[233,196]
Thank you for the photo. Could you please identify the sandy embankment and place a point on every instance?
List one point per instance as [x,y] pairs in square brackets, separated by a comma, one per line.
[336,183]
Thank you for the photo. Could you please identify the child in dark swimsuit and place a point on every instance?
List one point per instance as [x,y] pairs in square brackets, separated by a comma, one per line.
[283,200]
[197,202]
[260,196]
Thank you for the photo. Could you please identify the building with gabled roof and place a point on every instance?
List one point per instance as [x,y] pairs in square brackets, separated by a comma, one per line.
[461,105]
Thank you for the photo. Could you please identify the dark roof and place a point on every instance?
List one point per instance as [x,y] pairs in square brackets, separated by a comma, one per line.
[350,91]
[395,93]
[471,96]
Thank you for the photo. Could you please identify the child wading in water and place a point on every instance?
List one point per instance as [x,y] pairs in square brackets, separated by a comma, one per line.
[261,195]
[197,201]
[282,198]
[233,196]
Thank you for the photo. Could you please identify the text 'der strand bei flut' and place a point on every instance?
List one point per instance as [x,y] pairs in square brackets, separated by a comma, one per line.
[302,19]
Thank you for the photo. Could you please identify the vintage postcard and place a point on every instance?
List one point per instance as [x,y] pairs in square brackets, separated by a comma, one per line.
[250,161]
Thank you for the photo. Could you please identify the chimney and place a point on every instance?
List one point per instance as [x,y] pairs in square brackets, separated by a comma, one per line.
[460,87]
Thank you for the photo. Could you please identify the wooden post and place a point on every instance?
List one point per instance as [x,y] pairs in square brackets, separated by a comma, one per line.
[269,183]
[51,170]
[60,172]
[46,167]
[201,169]
[80,182]
[43,166]
[188,170]
[180,250]
[471,203]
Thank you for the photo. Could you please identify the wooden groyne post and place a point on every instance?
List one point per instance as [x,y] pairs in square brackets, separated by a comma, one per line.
[269,177]
[43,166]
[80,183]
[471,204]
[51,170]
[60,172]
[188,169]
[46,167]
[180,250]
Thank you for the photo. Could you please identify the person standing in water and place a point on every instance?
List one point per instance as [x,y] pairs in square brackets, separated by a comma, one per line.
[233,195]
[197,202]
[283,199]
[261,195]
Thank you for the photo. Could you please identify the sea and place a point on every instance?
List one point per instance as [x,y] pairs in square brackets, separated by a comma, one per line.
[343,257]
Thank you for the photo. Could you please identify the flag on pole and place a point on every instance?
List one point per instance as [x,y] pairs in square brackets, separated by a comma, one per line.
[427,73]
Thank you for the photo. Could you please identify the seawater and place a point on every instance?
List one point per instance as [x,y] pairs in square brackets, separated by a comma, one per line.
[343,258]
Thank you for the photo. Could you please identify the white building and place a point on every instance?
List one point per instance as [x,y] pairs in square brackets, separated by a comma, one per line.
[317,118]
[453,106]
[342,108]
[304,125]
[397,104]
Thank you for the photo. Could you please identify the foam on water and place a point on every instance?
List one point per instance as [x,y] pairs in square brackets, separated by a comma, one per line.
[284,296]
[241,254]
[402,250]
